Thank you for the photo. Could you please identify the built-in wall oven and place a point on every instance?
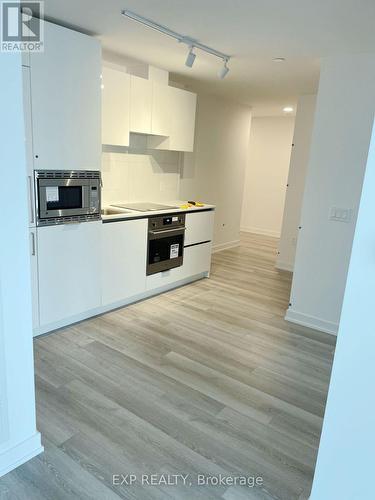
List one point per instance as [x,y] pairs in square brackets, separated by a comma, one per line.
[166,234]
[65,196]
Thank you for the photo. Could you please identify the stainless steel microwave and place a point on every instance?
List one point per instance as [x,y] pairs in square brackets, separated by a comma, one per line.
[65,196]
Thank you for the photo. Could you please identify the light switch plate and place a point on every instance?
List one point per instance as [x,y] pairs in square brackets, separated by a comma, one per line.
[338,214]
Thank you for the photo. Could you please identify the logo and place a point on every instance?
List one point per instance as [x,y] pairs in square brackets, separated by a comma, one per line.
[22,26]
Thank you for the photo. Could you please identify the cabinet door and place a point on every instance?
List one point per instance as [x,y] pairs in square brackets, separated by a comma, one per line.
[123,269]
[183,120]
[34,277]
[140,105]
[69,270]
[199,227]
[115,107]
[173,115]
[197,260]
[66,101]
[28,143]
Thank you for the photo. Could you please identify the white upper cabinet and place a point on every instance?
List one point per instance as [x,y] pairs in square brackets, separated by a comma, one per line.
[173,116]
[140,105]
[115,107]
[66,101]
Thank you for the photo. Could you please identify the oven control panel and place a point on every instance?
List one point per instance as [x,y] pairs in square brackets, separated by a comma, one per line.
[167,221]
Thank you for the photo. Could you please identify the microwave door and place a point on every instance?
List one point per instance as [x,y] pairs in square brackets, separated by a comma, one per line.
[59,198]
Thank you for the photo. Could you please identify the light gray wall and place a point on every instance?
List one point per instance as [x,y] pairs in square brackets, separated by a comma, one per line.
[296,181]
[345,465]
[215,172]
[341,135]
[18,439]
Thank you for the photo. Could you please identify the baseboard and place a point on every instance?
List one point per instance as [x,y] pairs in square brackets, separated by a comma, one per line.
[311,322]
[20,454]
[225,246]
[284,266]
[262,232]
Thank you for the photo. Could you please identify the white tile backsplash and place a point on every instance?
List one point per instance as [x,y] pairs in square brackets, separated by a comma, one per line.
[138,174]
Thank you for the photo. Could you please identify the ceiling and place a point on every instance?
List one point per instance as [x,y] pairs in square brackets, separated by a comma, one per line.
[252,31]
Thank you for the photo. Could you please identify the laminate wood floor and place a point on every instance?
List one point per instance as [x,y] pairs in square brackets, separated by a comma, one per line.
[206,379]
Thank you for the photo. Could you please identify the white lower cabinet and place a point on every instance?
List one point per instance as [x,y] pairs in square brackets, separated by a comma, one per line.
[123,260]
[199,227]
[197,259]
[69,271]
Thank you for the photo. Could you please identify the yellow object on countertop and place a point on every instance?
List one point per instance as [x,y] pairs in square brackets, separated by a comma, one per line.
[190,205]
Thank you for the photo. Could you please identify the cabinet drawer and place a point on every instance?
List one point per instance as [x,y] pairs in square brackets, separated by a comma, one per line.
[199,227]
[197,260]
[164,278]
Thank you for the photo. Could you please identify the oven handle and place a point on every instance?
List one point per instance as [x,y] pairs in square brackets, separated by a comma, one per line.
[153,235]
[164,231]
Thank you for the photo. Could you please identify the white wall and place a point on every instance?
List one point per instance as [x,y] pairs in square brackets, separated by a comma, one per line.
[19,440]
[139,174]
[296,182]
[215,172]
[345,465]
[341,135]
[266,174]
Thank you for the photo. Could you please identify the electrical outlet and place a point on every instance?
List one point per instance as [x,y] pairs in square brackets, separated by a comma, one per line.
[338,214]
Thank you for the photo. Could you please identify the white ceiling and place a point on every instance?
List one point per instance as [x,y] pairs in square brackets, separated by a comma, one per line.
[253,31]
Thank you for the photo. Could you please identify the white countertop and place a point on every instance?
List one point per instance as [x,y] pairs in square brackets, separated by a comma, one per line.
[131,214]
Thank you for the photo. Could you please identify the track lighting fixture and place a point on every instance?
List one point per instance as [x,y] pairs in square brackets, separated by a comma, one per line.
[192,44]
[224,70]
[190,57]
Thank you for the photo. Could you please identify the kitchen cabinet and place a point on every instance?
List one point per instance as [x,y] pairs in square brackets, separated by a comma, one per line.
[115,107]
[199,227]
[28,144]
[140,105]
[66,101]
[34,277]
[197,260]
[123,260]
[68,272]
[173,115]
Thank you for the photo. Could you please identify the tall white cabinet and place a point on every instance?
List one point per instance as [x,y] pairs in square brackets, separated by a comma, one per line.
[66,101]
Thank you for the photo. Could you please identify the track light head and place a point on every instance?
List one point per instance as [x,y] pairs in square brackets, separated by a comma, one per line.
[224,70]
[190,57]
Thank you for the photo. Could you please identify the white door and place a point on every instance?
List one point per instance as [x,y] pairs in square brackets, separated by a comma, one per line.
[69,270]
[199,227]
[173,115]
[115,107]
[66,101]
[28,143]
[140,105]
[34,276]
[123,269]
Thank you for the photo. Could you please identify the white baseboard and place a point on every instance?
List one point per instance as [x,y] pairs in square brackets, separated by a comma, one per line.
[312,322]
[20,454]
[225,246]
[263,232]
[284,266]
